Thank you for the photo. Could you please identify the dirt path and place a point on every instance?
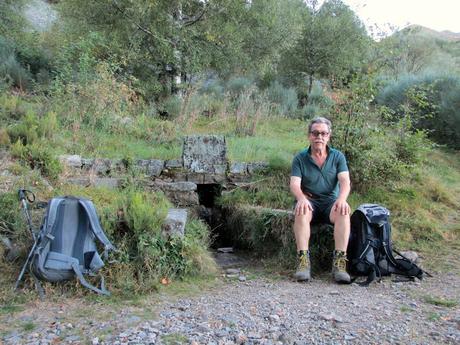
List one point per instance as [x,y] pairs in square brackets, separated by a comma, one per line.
[249,308]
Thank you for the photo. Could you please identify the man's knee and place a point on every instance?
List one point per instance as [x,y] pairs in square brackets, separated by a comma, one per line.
[303,218]
[336,217]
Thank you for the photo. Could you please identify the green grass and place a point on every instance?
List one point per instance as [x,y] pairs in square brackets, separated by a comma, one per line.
[432,316]
[440,302]
[28,326]
[174,339]
[10,309]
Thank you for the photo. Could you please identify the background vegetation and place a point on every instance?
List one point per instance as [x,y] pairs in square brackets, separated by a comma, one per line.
[128,79]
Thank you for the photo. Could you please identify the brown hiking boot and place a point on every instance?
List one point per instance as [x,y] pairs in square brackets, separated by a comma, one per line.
[303,269]
[339,267]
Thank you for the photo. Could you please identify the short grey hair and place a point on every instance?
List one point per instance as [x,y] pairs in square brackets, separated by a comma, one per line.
[320,120]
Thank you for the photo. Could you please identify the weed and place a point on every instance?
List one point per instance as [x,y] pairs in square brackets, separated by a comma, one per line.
[28,326]
[441,302]
[405,309]
[174,339]
[10,309]
[433,316]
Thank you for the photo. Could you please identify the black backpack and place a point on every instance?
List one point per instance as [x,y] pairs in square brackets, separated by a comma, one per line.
[370,251]
[66,244]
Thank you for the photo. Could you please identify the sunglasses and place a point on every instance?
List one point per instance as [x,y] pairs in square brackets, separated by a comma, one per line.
[317,133]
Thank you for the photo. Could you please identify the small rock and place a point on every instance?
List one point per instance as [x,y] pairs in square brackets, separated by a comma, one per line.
[274,318]
[334,293]
[95,341]
[242,278]
[232,271]
[331,317]
[225,250]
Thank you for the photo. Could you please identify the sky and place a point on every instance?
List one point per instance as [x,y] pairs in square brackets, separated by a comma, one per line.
[438,15]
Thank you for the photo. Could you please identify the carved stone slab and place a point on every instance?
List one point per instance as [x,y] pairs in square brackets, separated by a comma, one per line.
[205,154]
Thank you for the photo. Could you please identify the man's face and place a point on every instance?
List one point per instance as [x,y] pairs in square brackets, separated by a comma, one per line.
[319,136]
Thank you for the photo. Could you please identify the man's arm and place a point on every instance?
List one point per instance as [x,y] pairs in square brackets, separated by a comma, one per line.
[341,204]
[302,205]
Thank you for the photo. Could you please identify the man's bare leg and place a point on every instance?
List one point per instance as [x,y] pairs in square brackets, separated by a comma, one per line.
[302,230]
[302,237]
[341,234]
[341,230]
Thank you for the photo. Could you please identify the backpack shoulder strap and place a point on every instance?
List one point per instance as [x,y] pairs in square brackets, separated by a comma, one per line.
[95,225]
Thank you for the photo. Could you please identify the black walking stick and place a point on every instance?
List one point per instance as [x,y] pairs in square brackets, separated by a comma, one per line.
[24,197]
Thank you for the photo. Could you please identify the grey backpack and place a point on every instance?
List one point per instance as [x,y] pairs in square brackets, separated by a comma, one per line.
[66,243]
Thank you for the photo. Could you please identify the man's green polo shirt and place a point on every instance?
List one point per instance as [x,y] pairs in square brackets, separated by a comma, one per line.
[321,183]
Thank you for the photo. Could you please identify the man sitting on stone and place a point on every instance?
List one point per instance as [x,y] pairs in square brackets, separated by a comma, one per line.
[320,182]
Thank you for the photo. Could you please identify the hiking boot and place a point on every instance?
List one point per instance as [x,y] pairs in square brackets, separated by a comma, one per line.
[303,269]
[339,267]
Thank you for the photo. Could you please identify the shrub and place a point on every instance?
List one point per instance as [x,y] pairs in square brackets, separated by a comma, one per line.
[4,138]
[238,85]
[38,156]
[431,101]
[26,130]
[171,107]
[284,99]
[10,69]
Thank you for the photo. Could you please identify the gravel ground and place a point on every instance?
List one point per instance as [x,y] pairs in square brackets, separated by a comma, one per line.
[246,309]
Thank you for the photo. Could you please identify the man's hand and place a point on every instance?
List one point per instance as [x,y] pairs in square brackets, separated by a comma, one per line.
[302,206]
[342,207]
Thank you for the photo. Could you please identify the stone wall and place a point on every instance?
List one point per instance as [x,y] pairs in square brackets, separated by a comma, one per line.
[204,161]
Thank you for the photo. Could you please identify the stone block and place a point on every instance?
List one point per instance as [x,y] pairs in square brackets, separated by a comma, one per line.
[239,168]
[257,167]
[174,164]
[174,224]
[197,178]
[71,161]
[175,186]
[201,153]
[106,182]
[151,167]
[87,163]
[102,166]
[213,178]
[85,182]
[220,169]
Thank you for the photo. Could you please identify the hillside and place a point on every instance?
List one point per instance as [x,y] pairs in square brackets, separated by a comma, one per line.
[442,35]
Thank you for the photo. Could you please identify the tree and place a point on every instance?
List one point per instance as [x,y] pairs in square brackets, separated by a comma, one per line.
[332,45]
[157,41]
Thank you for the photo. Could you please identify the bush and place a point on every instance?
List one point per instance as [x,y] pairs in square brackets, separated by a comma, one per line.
[38,156]
[133,218]
[378,154]
[284,99]
[431,101]
[238,85]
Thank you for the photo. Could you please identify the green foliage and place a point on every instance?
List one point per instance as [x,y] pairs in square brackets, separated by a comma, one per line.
[11,71]
[332,45]
[441,302]
[284,100]
[38,156]
[12,222]
[429,102]
[12,107]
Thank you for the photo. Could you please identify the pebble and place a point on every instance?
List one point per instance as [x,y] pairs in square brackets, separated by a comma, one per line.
[261,311]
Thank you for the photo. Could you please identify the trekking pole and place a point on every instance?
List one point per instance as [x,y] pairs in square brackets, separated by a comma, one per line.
[24,197]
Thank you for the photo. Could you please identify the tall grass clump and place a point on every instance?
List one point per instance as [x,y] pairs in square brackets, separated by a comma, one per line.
[11,71]
[284,100]
[132,219]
